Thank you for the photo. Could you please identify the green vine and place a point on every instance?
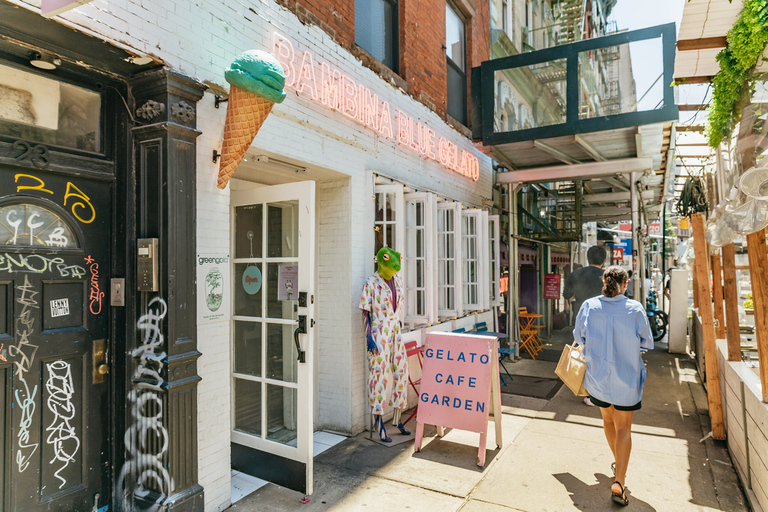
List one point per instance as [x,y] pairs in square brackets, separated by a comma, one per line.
[746,41]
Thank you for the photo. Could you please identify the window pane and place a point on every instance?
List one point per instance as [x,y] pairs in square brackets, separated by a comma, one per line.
[248,406]
[24,224]
[454,37]
[283,229]
[457,93]
[248,225]
[247,357]
[282,359]
[282,290]
[282,406]
[376,29]
[248,287]
[40,109]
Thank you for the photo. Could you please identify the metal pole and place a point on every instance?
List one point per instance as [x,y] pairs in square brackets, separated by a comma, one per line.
[633,202]
[663,254]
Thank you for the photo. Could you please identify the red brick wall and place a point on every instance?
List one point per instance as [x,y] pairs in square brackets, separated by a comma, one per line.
[422,40]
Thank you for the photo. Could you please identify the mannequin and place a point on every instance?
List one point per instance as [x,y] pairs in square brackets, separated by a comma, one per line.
[382,302]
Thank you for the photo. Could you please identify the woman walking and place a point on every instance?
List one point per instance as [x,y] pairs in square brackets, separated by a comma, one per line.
[613,329]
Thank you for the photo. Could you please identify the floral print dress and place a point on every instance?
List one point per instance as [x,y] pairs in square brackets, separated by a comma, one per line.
[385,329]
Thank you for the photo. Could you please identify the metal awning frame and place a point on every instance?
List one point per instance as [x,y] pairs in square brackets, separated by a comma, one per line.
[483,89]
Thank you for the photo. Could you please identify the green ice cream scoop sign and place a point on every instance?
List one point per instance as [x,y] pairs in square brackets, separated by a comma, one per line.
[252,280]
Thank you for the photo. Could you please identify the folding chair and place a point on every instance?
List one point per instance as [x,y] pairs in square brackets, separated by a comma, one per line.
[412,349]
[529,330]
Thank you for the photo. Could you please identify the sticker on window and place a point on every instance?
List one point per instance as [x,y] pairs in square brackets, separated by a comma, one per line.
[59,307]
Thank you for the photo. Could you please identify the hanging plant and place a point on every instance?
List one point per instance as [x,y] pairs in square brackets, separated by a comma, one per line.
[731,86]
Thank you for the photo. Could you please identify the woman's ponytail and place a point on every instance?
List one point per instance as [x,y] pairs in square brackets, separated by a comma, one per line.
[613,278]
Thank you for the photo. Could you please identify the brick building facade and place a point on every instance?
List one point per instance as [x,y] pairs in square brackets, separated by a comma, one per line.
[343,182]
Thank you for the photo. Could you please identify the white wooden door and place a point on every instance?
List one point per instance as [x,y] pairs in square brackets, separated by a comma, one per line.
[273,247]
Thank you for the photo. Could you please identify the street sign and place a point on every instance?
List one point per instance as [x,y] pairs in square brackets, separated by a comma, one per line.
[552,286]
[460,386]
[618,253]
[654,228]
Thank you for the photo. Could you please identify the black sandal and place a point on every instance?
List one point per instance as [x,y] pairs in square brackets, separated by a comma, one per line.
[621,499]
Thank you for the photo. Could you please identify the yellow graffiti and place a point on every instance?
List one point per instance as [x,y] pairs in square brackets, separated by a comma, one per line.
[84,205]
[40,187]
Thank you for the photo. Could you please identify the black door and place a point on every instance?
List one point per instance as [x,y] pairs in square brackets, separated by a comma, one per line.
[55,236]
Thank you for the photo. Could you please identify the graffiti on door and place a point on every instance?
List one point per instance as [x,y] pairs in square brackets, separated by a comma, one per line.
[144,460]
[23,354]
[96,294]
[61,433]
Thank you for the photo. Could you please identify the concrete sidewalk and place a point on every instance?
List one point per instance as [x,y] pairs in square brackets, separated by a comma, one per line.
[554,457]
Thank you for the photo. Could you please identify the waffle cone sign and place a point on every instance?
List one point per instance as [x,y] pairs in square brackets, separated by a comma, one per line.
[257,80]
[246,112]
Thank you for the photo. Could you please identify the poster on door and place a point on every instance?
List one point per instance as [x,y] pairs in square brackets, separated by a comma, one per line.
[288,282]
[212,288]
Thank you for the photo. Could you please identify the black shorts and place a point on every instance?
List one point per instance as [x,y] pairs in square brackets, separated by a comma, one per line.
[605,405]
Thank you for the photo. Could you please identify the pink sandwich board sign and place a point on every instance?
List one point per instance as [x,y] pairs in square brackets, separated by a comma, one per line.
[51,8]
[460,386]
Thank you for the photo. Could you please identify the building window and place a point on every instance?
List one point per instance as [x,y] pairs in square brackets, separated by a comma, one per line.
[494,256]
[504,14]
[389,199]
[447,254]
[376,30]
[420,275]
[456,56]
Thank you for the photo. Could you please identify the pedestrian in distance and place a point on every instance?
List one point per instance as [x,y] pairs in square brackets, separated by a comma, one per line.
[613,330]
[585,283]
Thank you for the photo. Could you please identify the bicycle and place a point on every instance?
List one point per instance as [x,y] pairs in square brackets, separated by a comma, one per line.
[656,317]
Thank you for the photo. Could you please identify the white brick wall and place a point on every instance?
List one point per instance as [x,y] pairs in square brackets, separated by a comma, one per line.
[200,39]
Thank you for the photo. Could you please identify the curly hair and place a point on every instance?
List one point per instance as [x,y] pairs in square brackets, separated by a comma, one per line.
[613,278]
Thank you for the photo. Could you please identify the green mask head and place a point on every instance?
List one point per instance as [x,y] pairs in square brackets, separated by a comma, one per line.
[389,262]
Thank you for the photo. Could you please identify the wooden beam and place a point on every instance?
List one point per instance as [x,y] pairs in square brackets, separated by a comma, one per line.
[717,294]
[594,153]
[708,327]
[575,172]
[693,128]
[685,80]
[692,107]
[702,43]
[555,153]
[758,273]
[731,303]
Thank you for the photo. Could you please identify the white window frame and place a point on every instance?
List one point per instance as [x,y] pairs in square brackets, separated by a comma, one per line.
[409,258]
[494,259]
[397,209]
[454,259]
[472,248]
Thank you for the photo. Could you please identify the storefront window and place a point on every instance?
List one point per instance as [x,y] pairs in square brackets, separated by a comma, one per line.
[31,225]
[39,109]
[494,258]
[389,199]
[474,277]
[419,242]
[448,259]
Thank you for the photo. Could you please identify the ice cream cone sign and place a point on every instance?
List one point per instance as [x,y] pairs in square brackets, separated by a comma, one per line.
[257,80]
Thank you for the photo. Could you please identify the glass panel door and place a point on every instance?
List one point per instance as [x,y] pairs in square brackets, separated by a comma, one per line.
[273,246]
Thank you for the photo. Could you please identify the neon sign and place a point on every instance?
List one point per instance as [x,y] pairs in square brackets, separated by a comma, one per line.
[319,82]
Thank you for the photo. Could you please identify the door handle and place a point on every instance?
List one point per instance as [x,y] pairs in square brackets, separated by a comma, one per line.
[301,329]
[99,359]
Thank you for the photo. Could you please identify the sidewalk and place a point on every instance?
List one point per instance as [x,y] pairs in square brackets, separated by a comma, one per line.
[554,458]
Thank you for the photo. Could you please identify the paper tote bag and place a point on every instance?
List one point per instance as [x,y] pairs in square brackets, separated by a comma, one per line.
[571,369]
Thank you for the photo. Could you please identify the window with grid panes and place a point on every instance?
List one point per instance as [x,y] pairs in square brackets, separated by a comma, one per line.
[494,257]
[419,252]
[449,259]
[389,199]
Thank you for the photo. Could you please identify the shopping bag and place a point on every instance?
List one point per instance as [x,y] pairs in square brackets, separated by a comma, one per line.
[571,369]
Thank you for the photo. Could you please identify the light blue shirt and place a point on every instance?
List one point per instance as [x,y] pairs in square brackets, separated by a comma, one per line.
[613,330]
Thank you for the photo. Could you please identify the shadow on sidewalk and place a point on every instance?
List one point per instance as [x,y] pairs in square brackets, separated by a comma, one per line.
[584,495]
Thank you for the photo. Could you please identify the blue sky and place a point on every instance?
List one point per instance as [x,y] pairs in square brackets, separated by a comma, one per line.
[646,58]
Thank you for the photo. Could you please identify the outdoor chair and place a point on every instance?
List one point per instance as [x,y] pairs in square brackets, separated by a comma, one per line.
[412,349]
[529,332]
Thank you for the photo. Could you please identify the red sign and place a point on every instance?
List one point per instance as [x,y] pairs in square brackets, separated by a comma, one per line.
[618,253]
[552,286]
[654,228]
[51,8]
